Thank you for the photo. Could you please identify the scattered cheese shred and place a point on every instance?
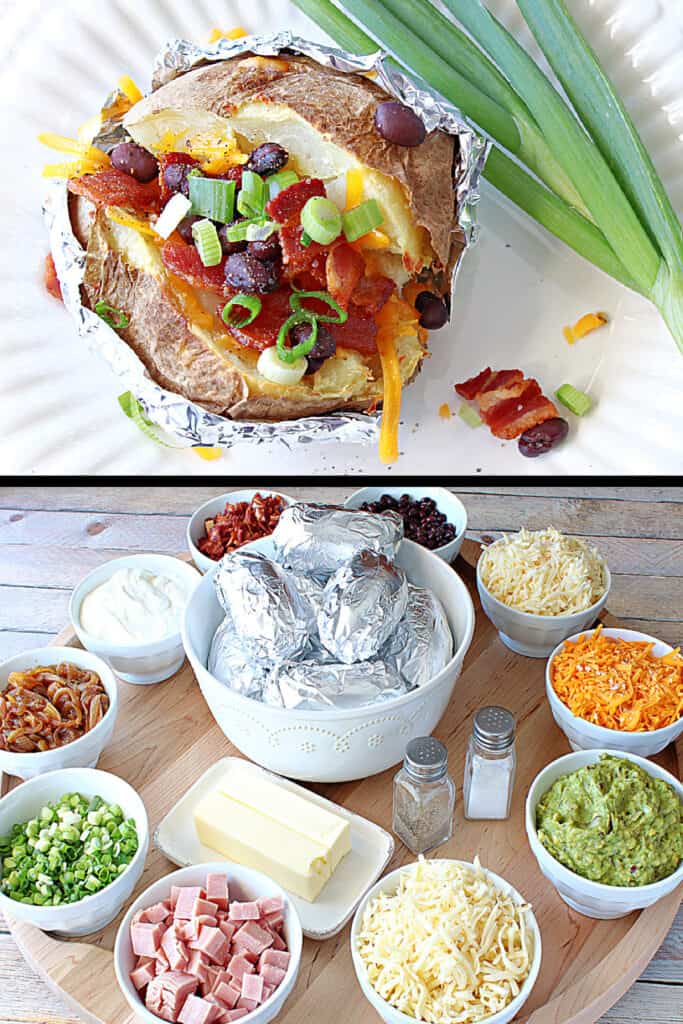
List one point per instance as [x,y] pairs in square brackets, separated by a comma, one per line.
[129,89]
[354,187]
[372,240]
[209,454]
[127,220]
[543,572]
[449,947]
[445,411]
[233,33]
[619,684]
[589,322]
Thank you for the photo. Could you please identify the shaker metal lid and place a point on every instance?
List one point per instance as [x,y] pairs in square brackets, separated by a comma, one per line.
[494,727]
[426,757]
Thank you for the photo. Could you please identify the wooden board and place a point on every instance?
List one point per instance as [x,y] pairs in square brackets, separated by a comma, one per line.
[166,738]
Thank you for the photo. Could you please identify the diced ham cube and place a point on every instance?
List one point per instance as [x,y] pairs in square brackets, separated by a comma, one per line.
[227,928]
[142,961]
[196,962]
[269,904]
[275,920]
[276,958]
[238,967]
[240,950]
[167,993]
[278,942]
[154,914]
[272,975]
[186,931]
[209,981]
[252,987]
[227,993]
[254,938]
[146,938]
[162,958]
[187,895]
[236,1014]
[267,992]
[176,953]
[139,915]
[204,907]
[247,1004]
[142,976]
[213,943]
[173,899]
[197,1011]
[217,890]
[206,919]
[244,911]
[222,1015]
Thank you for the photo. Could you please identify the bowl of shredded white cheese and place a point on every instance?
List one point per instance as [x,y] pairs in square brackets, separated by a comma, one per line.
[540,587]
[442,941]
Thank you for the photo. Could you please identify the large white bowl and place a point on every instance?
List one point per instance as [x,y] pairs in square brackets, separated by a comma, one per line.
[584,735]
[594,899]
[83,752]
[244,884]
[446,502]
[389,1013]
[211,508]
[141,663]
[335,745]
[535,636]
[92,912]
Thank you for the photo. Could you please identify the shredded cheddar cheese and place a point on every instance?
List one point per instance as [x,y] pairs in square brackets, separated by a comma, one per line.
[209,454]
[543,572]
[445,411]
[372,240]
[89,158]
[129,89]
[589,322]
[354,187]
[127,220]
[233,33]
[619,684]
[449,947]
[396,319]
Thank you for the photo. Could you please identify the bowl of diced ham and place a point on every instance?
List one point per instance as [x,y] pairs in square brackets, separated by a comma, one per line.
[209,944]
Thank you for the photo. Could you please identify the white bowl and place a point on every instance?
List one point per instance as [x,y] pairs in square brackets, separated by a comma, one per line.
[535,636]
[389,1013]
[83,752]
[446,502]
[92,912]
[211,508]
[594,899]
[243,884]
[584,735]
[335,745]
[141,663]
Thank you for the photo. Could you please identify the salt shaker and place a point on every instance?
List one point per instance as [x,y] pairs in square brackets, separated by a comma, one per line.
[490,764]
[424,796]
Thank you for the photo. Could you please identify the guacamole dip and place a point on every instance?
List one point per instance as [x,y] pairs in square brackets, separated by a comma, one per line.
[613,823]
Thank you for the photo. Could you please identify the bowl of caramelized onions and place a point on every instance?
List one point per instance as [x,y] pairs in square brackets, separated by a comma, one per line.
[58,709]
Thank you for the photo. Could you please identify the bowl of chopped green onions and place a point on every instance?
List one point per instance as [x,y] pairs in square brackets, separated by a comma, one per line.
[73,845]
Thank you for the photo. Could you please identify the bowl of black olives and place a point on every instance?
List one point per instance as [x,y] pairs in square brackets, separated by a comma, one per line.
[432,516]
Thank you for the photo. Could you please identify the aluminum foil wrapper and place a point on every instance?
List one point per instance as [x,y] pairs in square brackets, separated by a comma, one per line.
[422,643]
[320,539]
[264,605]
[310,588]
[233,661]
[362,605]
[189,423]
[309,686]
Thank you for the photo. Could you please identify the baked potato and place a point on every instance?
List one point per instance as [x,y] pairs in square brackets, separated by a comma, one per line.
[268,116]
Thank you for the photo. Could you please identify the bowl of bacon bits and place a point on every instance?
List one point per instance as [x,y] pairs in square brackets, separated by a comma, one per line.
[57,710]
[226,523]
[207,944]
[616,689]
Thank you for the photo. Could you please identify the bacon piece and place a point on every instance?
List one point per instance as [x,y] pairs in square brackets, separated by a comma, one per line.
[286,207]
[491,400]
[372,294]
[263,331]
[184,260]
[297,257]
[521,414]
[509,403]
[116,188]
[344,270]
[51,280]
[469,389]
[359,333]
[502,379]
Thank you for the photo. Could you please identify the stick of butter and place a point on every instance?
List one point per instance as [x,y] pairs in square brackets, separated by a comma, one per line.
[258,823]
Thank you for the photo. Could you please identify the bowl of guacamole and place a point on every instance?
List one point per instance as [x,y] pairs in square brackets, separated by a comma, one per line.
[607,830]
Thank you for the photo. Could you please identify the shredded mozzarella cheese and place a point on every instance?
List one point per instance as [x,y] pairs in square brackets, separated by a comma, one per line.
[543,572]
[448,947]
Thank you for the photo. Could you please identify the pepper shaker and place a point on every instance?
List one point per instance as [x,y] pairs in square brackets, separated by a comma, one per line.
[424,796]
[490,765]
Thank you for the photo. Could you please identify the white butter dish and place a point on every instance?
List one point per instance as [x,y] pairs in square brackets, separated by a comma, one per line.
[371,849]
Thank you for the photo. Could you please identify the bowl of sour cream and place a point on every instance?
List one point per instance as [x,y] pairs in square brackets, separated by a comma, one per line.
[129,612]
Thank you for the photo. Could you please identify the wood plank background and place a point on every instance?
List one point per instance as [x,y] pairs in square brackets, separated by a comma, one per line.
[51,537]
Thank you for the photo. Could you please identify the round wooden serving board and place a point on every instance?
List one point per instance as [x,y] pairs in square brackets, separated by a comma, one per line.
[166,738]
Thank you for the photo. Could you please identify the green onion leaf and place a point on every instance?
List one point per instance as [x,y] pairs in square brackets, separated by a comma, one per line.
[297,298]
[253,195]
[469,416]
[279,182]
[321,220]
[576,401]
[305,239]
[116,318]
[361,219]
[259,231]
[134,411]
[238,232]
[233,318]
[290,355]
[208,243]
[213,198]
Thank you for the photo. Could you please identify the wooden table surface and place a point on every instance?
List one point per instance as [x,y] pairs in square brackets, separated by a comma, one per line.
[51,537]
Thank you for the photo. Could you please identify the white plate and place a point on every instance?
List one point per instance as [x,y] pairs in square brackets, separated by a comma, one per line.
[371,850]
[518,287]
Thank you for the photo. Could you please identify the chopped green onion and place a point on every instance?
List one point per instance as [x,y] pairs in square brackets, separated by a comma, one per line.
[116,318]
[238,232]
[290,355]
[259,231]
[279,182]
[253,195]
[321,220]
[361,219]
[305,239]
[296,299]
[134,411]
[213,198]
[208,243]
[576,401]
[469,416]
[251,303]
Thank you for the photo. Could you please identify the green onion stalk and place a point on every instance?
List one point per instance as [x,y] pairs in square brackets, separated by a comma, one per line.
[580,170]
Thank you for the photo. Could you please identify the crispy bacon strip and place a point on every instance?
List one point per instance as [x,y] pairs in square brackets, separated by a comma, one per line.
[116,188]
[344,268]
[509,403]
